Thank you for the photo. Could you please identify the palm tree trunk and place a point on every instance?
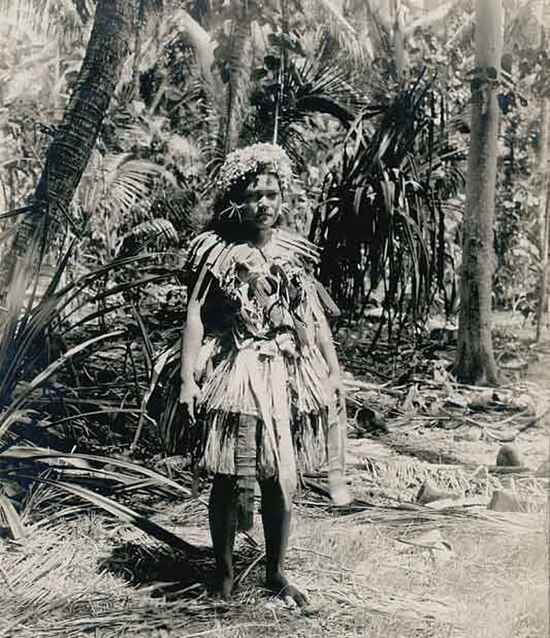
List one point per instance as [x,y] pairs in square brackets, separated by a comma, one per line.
[544,208]
[76,136]
[138,29]
[475,362]
[542,308]
[398,40]
[239,72]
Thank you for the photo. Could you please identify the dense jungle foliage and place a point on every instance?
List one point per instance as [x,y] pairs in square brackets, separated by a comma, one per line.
[371,101]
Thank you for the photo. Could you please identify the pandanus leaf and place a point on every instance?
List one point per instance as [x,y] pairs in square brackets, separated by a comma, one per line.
[123,513]
[43,376]
[24,453]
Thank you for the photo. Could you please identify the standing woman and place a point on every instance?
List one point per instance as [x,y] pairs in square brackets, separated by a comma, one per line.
[259,372]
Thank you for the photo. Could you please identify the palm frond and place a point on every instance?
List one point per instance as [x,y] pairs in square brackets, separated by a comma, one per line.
[115,183]
[156,230]
[43,19]
[122,512]
[309,87]
[350,41]
[60,460]
[201,41]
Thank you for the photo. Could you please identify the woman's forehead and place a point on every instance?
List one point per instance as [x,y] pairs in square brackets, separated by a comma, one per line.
[264,181]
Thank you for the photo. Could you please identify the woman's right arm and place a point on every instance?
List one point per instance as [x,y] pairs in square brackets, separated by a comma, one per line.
[191,343]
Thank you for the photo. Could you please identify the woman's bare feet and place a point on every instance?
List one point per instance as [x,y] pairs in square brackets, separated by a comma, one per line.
[222,586]
[280,586]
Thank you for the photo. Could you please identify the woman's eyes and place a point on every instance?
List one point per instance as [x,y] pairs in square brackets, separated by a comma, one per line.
[256,196]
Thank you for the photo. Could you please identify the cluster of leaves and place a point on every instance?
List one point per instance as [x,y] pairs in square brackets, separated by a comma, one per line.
[66,354]
[382,224]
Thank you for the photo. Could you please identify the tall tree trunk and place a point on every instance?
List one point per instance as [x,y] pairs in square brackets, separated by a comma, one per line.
[139,19]
[239,73]
[75,137]
[398,40]
[544,209]
[542,308]
[475,362]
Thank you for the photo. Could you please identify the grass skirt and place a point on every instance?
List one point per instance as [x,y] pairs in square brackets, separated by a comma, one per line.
[288,398]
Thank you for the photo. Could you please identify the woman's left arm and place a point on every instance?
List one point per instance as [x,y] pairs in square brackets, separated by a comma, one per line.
[325,343]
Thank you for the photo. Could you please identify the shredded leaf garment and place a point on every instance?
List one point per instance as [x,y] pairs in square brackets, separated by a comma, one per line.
[264,410]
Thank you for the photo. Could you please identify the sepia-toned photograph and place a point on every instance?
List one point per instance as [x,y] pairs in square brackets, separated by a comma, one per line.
[274,318]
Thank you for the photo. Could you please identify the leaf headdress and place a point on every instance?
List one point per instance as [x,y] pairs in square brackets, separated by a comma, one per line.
[244,163]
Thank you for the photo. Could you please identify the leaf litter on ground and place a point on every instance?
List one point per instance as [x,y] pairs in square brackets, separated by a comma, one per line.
[370,568]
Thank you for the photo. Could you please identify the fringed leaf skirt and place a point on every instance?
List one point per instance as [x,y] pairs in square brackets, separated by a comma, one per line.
[264,413]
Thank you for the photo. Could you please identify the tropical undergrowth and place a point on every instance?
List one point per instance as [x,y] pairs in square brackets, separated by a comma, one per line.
[382,222]
[76,352]
[89,350]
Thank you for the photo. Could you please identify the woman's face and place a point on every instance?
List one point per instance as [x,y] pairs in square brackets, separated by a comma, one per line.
[262,201]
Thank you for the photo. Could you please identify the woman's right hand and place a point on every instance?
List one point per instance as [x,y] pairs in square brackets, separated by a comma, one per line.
[189,393]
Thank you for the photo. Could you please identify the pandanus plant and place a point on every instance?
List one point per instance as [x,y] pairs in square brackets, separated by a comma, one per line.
[41,336]
[381,222]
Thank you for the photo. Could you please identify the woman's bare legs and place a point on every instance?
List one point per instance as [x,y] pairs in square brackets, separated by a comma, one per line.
[276,520]
[222,511]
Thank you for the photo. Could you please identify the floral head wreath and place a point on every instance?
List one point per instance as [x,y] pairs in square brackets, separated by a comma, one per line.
[253,159]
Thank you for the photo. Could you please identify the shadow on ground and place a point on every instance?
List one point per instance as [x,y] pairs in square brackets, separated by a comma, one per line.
[169,572]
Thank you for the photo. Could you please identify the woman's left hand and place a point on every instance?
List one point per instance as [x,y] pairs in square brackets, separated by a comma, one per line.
[336,386]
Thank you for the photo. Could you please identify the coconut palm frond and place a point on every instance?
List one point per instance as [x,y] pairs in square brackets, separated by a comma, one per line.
[349,40]
[116,182]
[122,512]
[335,10]
[183,25]
[156,231]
